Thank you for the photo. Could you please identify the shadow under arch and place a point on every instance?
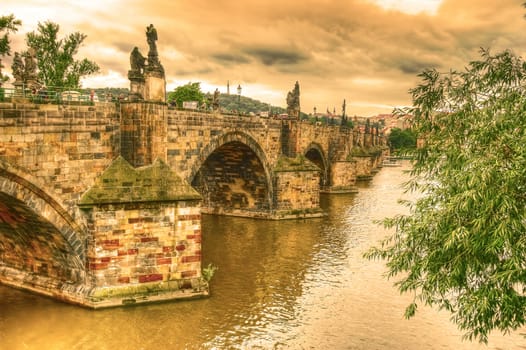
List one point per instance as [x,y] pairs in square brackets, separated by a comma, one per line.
[314,152]
[233,172]
[37,235]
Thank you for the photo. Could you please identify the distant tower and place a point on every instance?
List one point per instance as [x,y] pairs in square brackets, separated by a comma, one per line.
[228,87]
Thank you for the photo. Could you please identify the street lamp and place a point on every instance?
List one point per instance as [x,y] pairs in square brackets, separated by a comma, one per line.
[238,97]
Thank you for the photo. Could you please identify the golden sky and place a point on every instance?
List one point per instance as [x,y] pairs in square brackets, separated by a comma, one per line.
[368,52]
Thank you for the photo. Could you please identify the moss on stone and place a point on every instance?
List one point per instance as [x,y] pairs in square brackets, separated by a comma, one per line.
[121,183]
[299,163]
[373,151]
[138,293]
[145,289]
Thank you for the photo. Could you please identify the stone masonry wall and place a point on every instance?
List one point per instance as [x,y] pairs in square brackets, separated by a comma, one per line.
[193,136]
[233,181]
[343,177]
[143,133]
[143,243]
[42,251]
[63,148]
[363,168]
[297,193]
[319,134]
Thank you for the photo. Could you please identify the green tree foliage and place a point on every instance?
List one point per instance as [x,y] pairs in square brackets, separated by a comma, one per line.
[8,24]
[187,92]
[402,139]
[55,57]
[463,245]
[241,103]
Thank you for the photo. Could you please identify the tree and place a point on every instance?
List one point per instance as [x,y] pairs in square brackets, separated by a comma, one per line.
[231,102]
[8,24]
[402,139]
[188,92]
[55,57]
[462,247]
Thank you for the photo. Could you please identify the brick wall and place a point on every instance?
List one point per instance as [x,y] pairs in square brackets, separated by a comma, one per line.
[141,243]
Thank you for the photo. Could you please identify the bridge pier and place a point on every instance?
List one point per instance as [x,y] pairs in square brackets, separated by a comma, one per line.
[368,162]
[145,237]
[342,177]
[296,184]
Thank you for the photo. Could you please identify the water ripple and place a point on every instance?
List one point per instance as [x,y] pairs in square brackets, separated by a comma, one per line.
[280,285]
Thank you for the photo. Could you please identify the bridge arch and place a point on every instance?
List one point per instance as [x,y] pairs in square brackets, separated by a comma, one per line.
[37,235]
[314,152]
[233,176]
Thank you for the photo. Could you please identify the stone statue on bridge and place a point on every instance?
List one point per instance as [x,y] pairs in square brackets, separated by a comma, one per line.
[137,61]
[151,38]
[18,69]
[147,79]
[153,56]
[293,102]
[24,68]
[215,100]
[30,66]
[136,75]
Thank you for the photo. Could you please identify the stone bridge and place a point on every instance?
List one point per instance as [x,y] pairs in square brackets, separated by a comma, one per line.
[100,205]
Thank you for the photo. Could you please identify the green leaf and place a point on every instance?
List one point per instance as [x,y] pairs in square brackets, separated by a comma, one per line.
[463,245]
[57,66]
[410,310]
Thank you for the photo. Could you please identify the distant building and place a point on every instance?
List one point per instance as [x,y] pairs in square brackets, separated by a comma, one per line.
[391,121]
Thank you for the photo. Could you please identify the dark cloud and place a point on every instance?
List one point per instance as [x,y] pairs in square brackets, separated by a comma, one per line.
[276,56]
[193,72]
[414,65]
[230,58]
[351,49]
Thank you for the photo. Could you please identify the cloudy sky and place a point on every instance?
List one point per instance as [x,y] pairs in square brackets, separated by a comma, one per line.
[367,52]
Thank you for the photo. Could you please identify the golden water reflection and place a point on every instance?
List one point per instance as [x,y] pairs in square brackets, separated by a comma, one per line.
[280,285]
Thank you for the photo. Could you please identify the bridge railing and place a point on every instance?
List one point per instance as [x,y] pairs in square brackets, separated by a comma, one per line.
[57,95]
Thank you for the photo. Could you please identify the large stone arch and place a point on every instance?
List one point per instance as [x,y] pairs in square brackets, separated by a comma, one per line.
[314,152]
[249,176]
[37,235]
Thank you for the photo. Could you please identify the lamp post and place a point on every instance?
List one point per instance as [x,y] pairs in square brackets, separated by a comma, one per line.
[238,98]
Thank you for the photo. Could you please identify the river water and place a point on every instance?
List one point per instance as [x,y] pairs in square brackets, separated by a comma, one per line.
[280,285]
